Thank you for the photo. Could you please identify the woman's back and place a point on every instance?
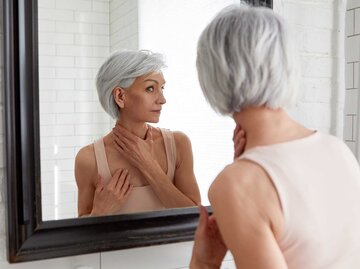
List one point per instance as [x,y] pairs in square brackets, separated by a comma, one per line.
[318,183]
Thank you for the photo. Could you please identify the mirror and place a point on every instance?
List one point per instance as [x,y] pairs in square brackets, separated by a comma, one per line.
[30,235]
[74,41]
[72,46]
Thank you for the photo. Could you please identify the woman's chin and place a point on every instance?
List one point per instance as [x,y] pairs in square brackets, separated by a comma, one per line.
[153,120]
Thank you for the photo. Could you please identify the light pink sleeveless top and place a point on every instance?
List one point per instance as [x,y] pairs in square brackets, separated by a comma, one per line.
[318,182]
[141,198]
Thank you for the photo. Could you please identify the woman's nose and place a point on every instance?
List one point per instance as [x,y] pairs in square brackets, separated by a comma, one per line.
[161,99]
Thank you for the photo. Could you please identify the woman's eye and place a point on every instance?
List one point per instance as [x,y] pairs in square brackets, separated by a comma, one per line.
[150,89]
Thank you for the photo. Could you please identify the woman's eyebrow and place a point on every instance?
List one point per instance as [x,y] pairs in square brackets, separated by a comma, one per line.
[154,80]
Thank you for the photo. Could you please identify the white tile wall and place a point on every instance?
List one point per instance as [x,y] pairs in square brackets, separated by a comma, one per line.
[352,74]
[357,21]
[352,4]
[177,256]
[124,26]
[316,99]
[73,41]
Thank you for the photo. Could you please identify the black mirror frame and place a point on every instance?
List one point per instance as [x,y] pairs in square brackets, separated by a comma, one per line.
[29,238]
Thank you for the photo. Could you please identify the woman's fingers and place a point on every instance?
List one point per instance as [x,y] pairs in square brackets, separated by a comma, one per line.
[118,137]
[239,139]
[121,131]
[203,219]
[121,146]
[99,184]
[122,179]
[239,147]
[128,191]
[118,148]
[124,186]
[114,180]
[148,136]
[236,130]
[240,134]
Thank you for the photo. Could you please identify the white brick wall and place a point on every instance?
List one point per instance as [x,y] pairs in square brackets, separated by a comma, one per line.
[313,26]
[124,27]
[316,101]
[352,75]
[73,41]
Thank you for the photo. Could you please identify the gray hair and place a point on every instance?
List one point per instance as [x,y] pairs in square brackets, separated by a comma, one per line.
[121,69]
[244,58]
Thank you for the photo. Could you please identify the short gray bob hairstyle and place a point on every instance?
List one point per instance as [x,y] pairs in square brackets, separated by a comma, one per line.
[244,58]
[121,69]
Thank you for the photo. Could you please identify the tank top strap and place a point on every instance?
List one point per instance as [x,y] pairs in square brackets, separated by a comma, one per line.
[101,160]
[170,148]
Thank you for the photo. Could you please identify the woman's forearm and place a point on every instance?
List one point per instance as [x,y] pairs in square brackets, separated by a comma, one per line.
[164,188]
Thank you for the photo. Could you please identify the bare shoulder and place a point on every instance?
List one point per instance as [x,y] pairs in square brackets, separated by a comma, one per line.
[85,165]
[85,156]
[183,148]
[181,139]
[239,178]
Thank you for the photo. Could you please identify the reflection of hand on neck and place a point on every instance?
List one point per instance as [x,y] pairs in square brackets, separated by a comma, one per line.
[140,130]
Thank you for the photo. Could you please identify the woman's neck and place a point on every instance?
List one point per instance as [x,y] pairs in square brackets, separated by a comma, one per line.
[137,128]
[264,126]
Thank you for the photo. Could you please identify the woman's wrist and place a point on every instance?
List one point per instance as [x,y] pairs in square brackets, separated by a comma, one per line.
[196,264]
[96,212]
[150,168]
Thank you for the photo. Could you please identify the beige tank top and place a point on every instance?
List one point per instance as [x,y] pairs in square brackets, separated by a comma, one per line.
[141,198]
[318,182]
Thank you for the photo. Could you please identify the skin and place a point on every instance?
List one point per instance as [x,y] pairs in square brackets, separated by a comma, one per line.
[136,155]
[245,202]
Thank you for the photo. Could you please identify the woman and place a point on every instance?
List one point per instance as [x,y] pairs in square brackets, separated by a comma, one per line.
[292,198]
[135,167]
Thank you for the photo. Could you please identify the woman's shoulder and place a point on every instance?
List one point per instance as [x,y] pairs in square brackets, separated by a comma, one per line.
[85,154]
[180,138]
[85,162]
[243,179]
[240,172]
[243,185]
[182,145]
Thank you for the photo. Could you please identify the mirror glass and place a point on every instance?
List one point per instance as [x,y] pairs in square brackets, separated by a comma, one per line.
[75,37]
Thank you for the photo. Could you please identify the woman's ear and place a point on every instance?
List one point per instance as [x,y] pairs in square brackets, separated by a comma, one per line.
[119,96]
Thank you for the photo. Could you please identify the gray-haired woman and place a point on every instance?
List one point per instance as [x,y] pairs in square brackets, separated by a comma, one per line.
[292,198]
[136,167]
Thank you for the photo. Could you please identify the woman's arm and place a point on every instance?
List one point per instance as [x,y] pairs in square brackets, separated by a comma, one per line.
[184,191]
[249,216]
[85,175]
[209,248]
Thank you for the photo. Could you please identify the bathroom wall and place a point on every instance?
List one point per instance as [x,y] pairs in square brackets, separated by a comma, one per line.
[73,41]
[352,75]
[314,26]
[124,27]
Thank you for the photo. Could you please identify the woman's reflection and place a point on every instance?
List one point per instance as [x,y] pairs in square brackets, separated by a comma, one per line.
[135,167]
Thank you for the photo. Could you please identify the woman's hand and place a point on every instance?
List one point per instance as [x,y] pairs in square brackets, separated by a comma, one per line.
[209,248]
[136,150]
[110,198]
[239,138]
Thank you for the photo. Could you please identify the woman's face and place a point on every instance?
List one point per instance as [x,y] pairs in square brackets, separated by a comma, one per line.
[143,100]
